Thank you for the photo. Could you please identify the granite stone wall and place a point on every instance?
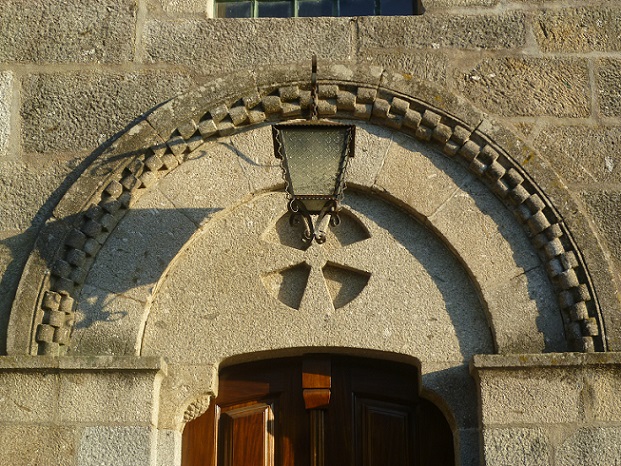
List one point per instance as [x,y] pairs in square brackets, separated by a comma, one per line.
[74,75]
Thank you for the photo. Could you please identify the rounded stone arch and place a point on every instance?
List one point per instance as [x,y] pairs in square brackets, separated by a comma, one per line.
[43,315]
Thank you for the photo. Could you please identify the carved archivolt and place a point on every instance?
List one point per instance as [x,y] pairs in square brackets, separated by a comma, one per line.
[222,112]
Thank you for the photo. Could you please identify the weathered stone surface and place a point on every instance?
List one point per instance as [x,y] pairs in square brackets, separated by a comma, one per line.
[15,245]
[91,398]
[90,107]
[58,31]
[406,155]
[30,206]
[574,30]
[194,42]
[219,287]
[193,189]
[32,445]
[518,86]
[609,93]
[168,447]
[471,221]
[516,445]
[431,5]
[255,152]
[6,94]
[603,384]
[175,7]
[372,143]
[535,397]
[28,398]
[142,246]
[582,154]
[591,446]
[491,32]
[425,65]
[106,323]
[529,323]
[604,208]
[116,446]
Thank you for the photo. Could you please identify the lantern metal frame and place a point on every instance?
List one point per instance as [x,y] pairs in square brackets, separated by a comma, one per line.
[298,206]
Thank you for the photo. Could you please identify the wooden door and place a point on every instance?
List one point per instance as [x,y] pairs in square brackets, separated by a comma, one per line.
[319,411]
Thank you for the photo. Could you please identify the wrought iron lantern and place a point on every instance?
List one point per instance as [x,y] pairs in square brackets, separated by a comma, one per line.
[314,155]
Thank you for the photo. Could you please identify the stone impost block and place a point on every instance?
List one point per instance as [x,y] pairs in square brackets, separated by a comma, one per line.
[608,77]
[442,30]
[261,42]
[572,30]
[91,106]
[521,86]
[92,398]
[548,389]
[59,31]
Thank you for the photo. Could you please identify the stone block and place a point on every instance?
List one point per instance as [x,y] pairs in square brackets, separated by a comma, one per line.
[609,94]
[256,157]
[603,205]
[471,221]
[527,323]
[245,43]
[432,178]
[574,30]
[33,445]
[195,188]
[372,144]
[31,206]
[89,106]
[15,246]
[442,30]
[602,387]
[433,5]
[109,397]
[176,7]
[516,445]
[530,396]
[106,323]
[527,86]
[168,448]
[6,95]
[140,248]
[582,154]
[429,66]
[591,446]
[28,397]
[73,31]
[117,446]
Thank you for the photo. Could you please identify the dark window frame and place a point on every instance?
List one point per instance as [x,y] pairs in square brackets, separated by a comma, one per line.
[417,8]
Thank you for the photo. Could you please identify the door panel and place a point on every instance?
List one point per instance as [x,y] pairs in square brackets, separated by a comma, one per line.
[358,412]
[248,435]
[384,432]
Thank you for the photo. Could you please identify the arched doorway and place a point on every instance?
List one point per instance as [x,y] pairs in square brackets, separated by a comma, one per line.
[319,410]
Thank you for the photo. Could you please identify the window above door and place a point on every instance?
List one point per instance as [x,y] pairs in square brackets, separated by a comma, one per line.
[309,8]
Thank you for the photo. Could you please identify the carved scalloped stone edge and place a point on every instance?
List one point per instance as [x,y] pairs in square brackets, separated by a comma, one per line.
[240,102]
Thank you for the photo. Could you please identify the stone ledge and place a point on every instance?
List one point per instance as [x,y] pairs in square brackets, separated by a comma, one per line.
[82,363]
[516,361]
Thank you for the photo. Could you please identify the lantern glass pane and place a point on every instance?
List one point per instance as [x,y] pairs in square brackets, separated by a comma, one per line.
[314,158]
